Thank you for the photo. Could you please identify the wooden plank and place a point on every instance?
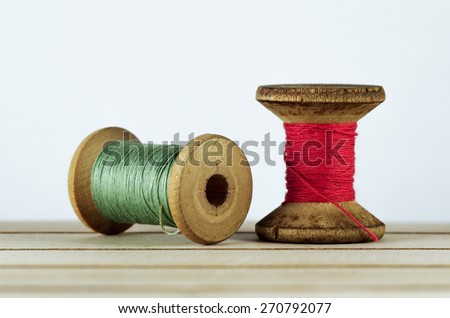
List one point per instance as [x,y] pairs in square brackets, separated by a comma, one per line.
[216,259]
[418,228]
[224,282]
[78,227]
[240,241]
[248,226]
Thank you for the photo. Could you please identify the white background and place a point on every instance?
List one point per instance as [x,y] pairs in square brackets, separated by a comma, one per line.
[340,307]
[160,67]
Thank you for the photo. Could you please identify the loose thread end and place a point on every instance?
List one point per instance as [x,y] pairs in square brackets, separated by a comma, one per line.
[340,207]
[374,237]
[162,225]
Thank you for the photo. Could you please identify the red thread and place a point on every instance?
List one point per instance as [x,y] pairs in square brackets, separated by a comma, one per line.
[320,165]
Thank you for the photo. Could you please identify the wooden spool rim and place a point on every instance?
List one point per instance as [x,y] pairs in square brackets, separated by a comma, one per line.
[80,173]
[197,218]
[200,222]
[321,93]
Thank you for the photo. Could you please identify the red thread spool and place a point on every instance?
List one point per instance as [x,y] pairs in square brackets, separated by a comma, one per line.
[320,124]
[320,157]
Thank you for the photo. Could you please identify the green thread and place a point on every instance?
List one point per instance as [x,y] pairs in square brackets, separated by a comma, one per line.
[130,183]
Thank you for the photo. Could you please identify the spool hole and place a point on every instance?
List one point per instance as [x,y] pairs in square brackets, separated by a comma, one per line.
[216,190]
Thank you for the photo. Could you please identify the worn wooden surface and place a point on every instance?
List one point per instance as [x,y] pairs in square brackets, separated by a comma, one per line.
[66,259]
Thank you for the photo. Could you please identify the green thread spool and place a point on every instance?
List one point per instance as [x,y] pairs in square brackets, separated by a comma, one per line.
[203,188]
[135,189]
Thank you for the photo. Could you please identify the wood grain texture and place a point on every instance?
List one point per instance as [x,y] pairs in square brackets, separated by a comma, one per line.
[63,259]
[210,189]
[320,103]
[318,223]
[79,180]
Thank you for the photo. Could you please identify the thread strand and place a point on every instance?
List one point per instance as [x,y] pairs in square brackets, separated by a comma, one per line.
[130,183]
[320,165]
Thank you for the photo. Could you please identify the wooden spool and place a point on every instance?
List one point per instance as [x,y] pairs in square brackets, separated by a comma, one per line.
[210,186]
[319,222]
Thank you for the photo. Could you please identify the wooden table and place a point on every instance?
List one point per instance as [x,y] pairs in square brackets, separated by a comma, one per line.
[65,259]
